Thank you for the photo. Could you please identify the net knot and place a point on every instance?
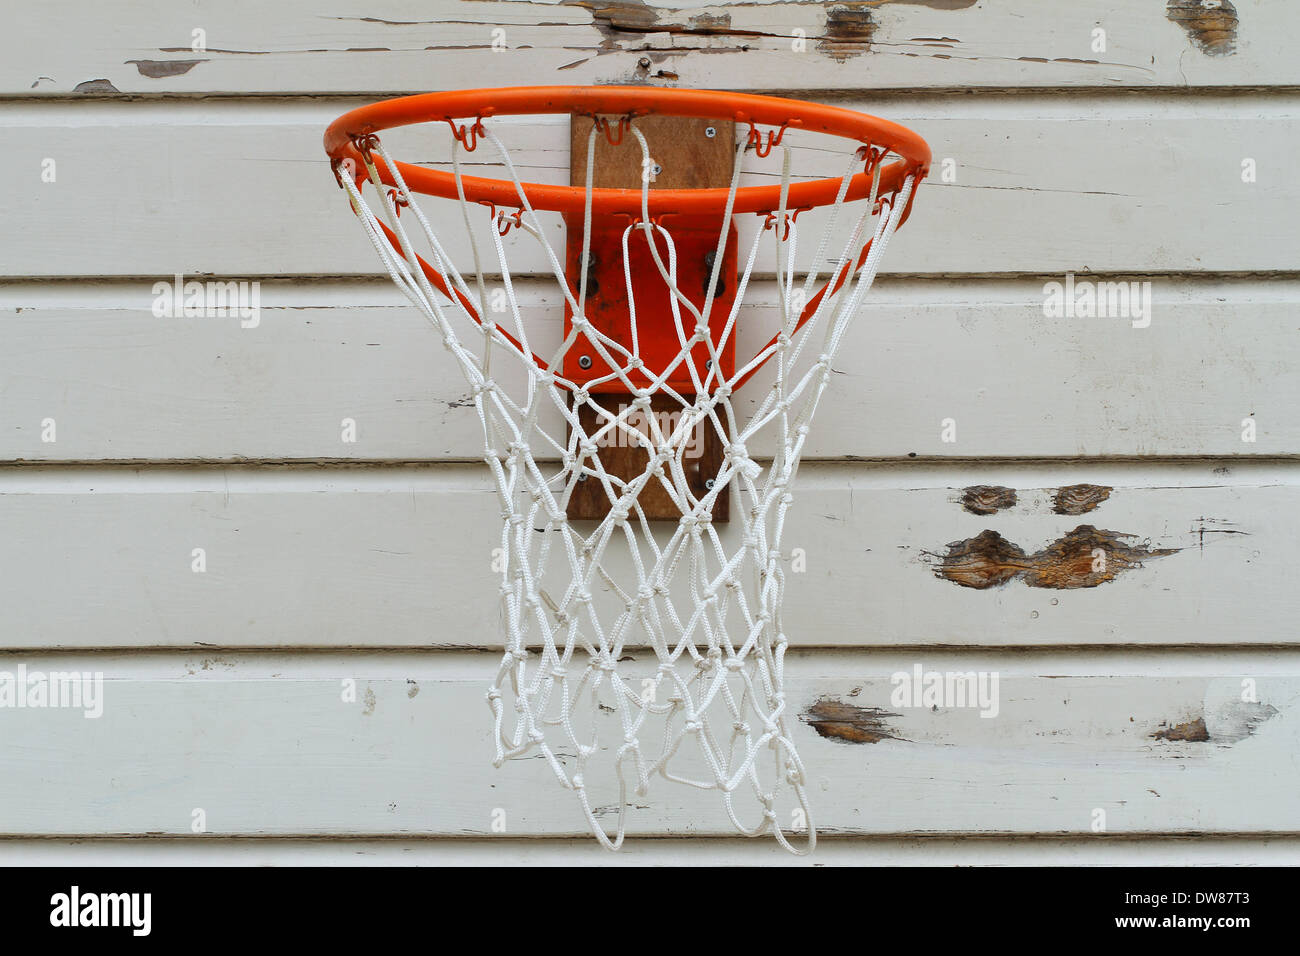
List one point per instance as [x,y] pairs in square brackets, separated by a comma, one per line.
[737,450]
[559,673]
[692,726]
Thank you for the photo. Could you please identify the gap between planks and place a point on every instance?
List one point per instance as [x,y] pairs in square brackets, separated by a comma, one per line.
[461,664]
[244,476]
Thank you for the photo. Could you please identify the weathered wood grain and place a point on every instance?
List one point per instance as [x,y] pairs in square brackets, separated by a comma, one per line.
[403,557]
[286,755]
[300,47]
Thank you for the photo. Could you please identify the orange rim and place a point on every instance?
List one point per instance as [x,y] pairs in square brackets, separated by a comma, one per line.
[347,133]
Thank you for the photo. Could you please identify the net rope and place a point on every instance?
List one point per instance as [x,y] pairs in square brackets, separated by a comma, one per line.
[577,603]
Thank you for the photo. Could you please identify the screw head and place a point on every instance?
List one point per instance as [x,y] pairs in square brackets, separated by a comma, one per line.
[709,483]
[584,361]
[708,363]
[710,132]
[658,169]
[644,63]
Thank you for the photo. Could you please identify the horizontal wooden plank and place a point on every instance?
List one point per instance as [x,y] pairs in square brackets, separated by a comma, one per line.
[397,46]
[837,850]
[1198,553]
[410,756]
[1041,185]
[120,383]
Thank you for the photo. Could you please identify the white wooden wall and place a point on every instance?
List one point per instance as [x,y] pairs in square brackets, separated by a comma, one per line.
[371,560]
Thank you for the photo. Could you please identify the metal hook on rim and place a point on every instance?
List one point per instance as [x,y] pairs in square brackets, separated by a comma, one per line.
[468,135]
[790,217]
[873,156]
[624,124]
[773,139]
[498,215]
[398,200]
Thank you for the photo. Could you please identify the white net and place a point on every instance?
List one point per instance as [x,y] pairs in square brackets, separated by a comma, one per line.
[635,649]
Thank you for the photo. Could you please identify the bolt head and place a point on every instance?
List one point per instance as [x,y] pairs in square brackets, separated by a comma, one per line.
[584,361]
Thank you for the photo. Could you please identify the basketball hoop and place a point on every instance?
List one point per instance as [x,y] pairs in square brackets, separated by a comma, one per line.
[594,441]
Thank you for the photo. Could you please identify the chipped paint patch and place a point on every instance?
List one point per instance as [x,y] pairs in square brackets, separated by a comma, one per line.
[1192,730]
[1229,723]
[157,69]
[95,86]
[1079,499]
[1084,558]
[987,499]
[836,720]
[1211,24]
[368,702]
[617,19]
[984,561]
[848,32]
[937,4]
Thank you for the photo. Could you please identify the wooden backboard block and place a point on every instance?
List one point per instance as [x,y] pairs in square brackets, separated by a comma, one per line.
[684,153]
[623,457]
